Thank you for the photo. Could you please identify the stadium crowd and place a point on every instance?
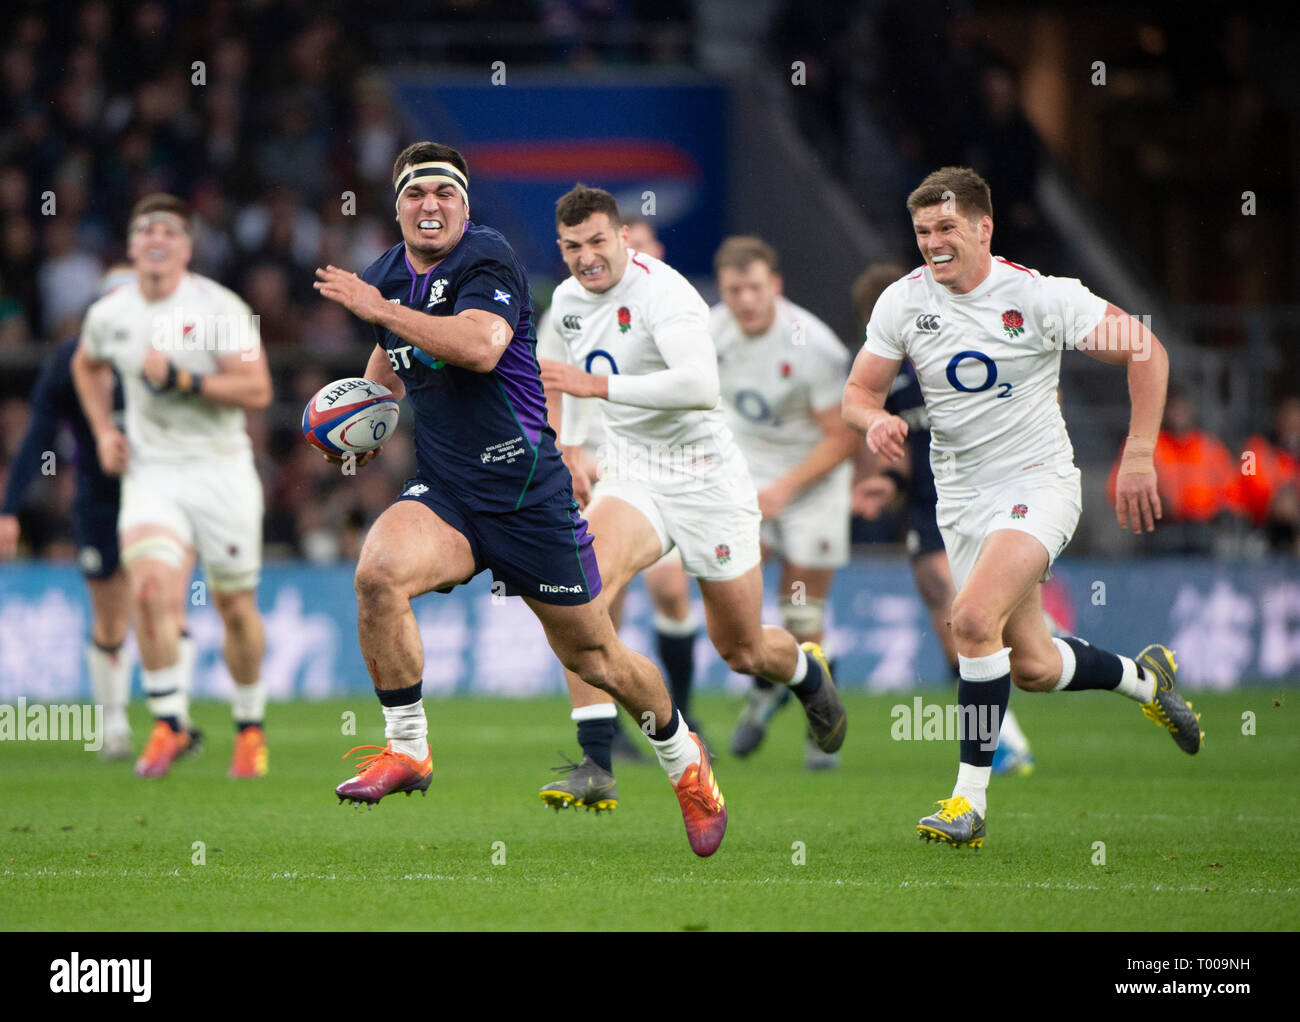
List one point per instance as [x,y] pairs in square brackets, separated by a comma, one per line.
[283,141]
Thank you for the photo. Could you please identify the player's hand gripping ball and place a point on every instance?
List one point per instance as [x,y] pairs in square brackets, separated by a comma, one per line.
[350,416]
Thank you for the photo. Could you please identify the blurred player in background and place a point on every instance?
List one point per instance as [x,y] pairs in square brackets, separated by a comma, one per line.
[190,359]
[675,623]
[912,480]
[985,337]
[453,331]
[782,372]
[94,526]
[637,336]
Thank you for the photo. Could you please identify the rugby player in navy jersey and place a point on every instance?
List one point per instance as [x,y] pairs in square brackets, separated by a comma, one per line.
[94,528]
[453,332]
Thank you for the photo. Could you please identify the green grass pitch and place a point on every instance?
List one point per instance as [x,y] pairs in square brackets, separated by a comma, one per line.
[1203,843]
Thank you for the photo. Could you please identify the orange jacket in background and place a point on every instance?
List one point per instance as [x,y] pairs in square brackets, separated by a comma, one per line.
[1274,469]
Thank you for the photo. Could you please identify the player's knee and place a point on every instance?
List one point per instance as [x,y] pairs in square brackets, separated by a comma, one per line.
[804,620]
[238,611]
[973,623]
[377,587]
[151,594]
[672,605]
[592,665]
[741,657]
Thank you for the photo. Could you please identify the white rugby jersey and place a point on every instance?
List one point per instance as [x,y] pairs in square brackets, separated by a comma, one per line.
[989,363]
[773,383]
[193,326]
[620,333]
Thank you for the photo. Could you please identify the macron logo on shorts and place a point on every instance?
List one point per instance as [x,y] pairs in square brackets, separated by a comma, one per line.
[415,491]
[544,588]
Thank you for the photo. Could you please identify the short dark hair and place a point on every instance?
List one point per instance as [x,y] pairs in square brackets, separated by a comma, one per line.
[161,202]
[428,152]
[580,202]
[970,192]
[738,251]
[871,283]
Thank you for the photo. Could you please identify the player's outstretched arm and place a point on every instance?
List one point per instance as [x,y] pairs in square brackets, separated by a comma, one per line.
[472,339]
[93,379]
[690,380]
[1121,339]
[864,404]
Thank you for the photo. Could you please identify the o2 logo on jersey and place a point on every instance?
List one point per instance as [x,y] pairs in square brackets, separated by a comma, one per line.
[750,404]
[990,373]
[601,353]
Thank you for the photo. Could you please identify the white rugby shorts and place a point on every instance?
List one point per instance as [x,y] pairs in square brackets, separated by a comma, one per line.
[715,529]
[213,505]
[1044,504]
[812,531]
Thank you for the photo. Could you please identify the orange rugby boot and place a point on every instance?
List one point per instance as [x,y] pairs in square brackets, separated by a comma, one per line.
[385,772]
[704,810]
[163,748]
[249,758]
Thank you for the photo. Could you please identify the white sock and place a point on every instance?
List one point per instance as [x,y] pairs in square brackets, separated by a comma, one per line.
[1011,737]
[248,704]
[800,668]
[595,711]
[678,752]
[1069,662]
[166,697]
[407,729]
[688,625]
[973,782]
[1136,683]
[110,681]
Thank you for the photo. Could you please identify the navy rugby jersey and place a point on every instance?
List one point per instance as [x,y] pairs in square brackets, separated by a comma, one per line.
[906,402]
[482,436]
[54,400]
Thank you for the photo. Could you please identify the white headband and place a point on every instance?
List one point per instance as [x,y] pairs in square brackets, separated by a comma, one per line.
[445,171]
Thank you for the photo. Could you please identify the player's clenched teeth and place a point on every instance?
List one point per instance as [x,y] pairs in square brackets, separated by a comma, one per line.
[430,225]
[941,258]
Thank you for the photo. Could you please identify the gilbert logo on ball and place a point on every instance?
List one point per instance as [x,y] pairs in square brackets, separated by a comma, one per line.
[350,416]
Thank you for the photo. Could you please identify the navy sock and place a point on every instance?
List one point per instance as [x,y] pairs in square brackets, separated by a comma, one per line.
[399,696]
[812,681]
[763,683]
[595,737]
[981,706]
[677,654]
[242,725]
[172,722]
[668,730]
[1093,667]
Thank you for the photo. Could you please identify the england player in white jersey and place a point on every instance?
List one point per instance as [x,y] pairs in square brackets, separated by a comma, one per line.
[672,475]
[676,625]
[191,361]
[782,372]
[985,336]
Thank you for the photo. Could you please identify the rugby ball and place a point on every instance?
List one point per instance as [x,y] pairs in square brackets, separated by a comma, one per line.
[350,416]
